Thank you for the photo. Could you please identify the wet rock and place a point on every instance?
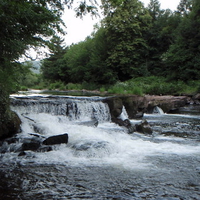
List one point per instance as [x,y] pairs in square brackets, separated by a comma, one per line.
[32,145]
[196,99]
[126,123]
[175,133]
[10,125]
[92,123]
[135,105]
[118,121]
[166,103]
[37,135]
[89,145]
[45,149]
[22,153]
[12,140]
[144,127]
[57,139]
[115,105]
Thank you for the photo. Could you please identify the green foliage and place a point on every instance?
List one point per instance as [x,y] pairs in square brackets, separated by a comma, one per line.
[125,88]
[184,7]
[52,66]
[154,85]
[133,41]
[125,27]
[159,36]
[76,59]
[183,56]
[27,23]
[82,62]
[74,86]
[57,85]
[102,89]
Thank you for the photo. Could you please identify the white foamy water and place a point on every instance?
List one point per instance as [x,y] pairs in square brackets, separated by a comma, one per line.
[107,144]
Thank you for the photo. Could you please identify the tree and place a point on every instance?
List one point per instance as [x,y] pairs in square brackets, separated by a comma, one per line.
[154,9]
[101,74]
[159,36]
[76,61]
[25,23]
[51,66]
[183,57]
[184,7]
[125,26]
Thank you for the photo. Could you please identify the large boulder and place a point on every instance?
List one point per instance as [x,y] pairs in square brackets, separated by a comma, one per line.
[135,105]
[57,139]
[166,103]
[115,105]
[32,145]
[10,125]
[196,99]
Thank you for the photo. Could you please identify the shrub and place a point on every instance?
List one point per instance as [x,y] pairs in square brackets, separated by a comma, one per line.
[102,89]
[74,86]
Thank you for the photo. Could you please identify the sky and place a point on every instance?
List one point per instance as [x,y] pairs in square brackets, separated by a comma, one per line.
[78,29]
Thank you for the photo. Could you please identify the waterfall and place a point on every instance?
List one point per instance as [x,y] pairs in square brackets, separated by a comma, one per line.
[74,109]
[158,110]
[82,109]
[124,114]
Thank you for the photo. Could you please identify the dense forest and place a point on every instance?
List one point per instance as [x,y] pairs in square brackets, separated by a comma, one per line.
[132,42]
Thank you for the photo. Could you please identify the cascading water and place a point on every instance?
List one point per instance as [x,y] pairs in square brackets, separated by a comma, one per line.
[158,110]
[98,162]
[73,109]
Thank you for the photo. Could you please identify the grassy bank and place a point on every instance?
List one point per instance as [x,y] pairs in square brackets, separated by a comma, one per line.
[152,85]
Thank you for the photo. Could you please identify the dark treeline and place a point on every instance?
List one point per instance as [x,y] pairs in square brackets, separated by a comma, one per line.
[132,41]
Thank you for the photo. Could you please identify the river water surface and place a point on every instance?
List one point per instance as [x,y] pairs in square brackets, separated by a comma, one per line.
[102,162]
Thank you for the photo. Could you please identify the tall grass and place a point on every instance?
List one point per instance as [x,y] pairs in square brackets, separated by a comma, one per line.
[151,85]
[125,88]
[154,85]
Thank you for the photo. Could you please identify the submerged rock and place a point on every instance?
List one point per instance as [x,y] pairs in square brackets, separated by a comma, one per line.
[22,153]
[92,123]
[45,149]
[144,127]
[57,139]
[126,123]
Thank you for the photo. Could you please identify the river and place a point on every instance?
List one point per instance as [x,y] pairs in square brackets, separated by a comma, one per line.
[100,162]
